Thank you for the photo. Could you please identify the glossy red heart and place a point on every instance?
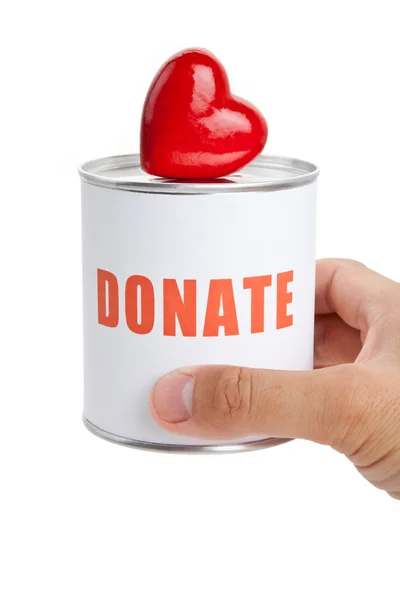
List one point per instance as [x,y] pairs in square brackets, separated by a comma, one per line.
[192,126]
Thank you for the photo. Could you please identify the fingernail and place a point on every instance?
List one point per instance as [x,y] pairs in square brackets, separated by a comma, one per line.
[172,397]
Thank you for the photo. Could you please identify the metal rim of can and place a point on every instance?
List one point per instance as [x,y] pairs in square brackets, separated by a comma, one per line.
[299,173]
[222,448]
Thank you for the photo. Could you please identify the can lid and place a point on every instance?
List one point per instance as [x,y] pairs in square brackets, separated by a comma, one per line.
[265,173]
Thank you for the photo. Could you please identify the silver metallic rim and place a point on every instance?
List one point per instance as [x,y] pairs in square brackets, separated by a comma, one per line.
[181,448]
[303,174]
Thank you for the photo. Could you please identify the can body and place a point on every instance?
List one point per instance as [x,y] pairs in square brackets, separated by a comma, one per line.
[171,280]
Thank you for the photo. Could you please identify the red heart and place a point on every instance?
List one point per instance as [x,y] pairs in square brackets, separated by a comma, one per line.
[192,126]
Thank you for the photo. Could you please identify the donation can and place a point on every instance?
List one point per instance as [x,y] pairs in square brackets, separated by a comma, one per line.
[182,273]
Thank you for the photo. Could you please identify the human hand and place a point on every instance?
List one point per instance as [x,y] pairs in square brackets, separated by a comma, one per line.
[351,401]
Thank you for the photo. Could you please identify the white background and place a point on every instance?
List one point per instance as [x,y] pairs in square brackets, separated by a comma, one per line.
[81,518]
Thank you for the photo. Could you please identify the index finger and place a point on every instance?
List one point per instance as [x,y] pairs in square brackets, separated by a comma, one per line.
[357,294]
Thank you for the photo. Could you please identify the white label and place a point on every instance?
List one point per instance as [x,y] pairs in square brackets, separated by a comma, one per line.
[171,281]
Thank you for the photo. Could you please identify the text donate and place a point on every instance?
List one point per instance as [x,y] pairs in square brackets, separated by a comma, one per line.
[180,309]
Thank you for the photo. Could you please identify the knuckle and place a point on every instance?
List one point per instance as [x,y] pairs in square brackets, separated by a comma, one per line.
[352,262]
[233,396]
[341,262]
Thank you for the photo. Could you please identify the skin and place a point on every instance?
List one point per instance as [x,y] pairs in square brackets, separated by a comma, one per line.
[351,401]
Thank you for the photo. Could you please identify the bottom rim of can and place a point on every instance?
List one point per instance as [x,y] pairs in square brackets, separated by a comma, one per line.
[182,448]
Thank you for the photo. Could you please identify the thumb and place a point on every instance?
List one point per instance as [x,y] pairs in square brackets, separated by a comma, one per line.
[222,403]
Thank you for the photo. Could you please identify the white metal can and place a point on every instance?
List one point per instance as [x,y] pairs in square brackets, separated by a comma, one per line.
[182,273]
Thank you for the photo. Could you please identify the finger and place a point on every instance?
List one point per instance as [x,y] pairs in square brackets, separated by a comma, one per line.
[335,342]
[363,299]
[353,291]
[218,402]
